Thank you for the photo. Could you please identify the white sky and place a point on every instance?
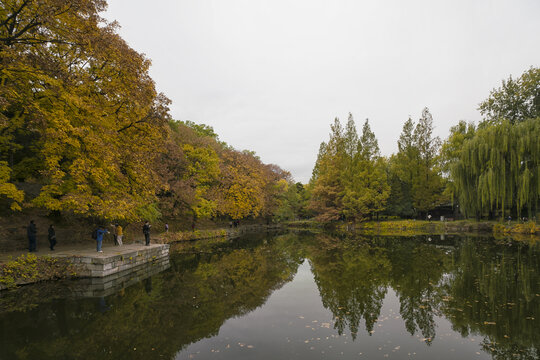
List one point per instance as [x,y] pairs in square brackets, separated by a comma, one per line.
[271,75]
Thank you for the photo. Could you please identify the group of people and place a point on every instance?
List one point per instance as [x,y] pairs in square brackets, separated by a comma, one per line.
[97,234]
[31,231]
[118,235]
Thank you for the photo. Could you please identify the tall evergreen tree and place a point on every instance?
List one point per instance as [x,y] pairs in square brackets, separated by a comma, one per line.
[403,170]
[427,186]
[326,182]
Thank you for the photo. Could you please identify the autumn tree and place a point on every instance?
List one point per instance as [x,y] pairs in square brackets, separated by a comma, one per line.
[80,114]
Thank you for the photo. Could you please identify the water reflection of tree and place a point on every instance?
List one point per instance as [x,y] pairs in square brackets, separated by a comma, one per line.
[494,291]
[351,277]
[184,305]
[417,269]
[480,287]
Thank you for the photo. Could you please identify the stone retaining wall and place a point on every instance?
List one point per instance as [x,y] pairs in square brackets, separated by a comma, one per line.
[127,261]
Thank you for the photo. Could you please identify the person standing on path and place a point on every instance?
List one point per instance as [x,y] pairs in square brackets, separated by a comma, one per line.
[99,238]
[114,234]
[118,231]
[52,237]
[31,231]
[146,232]
[166,227]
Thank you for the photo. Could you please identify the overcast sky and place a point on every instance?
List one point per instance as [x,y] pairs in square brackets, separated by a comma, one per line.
[271,75]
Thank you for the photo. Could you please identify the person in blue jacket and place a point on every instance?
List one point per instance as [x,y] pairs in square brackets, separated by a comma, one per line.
[99,239]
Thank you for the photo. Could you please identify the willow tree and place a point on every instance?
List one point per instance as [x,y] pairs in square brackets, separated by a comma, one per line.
[498,171]
[450,154]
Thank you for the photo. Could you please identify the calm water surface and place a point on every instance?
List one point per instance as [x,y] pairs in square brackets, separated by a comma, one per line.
[296,296]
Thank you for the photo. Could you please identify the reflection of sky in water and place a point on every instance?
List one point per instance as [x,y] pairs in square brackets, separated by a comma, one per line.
[293,324]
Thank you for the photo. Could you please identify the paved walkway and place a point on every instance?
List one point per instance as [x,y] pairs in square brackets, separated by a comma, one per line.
[86,250]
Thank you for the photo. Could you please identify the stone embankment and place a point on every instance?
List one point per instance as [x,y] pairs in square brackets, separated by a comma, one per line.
[113,264]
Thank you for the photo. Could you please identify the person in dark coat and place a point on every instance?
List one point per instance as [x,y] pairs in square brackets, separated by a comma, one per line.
[31,230]
[146,232]
[52,237]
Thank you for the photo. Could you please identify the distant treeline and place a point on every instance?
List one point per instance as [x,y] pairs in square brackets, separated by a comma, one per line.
[490,170]
[81,119]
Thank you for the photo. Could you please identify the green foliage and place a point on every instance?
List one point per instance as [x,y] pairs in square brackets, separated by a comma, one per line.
[451,152]
[515,101]
[201,129]
[349,178]
[294,202]
[172,237]
[8,190]
[414,172]
[498,170]
[29,268]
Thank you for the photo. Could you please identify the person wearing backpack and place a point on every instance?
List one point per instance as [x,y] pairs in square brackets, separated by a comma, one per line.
[146,232]
[99,232]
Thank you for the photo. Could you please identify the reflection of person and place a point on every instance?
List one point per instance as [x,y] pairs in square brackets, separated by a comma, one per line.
[99,239]
[119,232]
[31,231]
[146,232]
[52,237]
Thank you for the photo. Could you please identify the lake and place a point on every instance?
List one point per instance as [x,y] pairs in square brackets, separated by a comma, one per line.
[296,295]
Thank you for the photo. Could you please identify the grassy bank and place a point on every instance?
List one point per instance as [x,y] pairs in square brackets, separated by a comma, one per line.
[29,268]
[178,236]
[420,227]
